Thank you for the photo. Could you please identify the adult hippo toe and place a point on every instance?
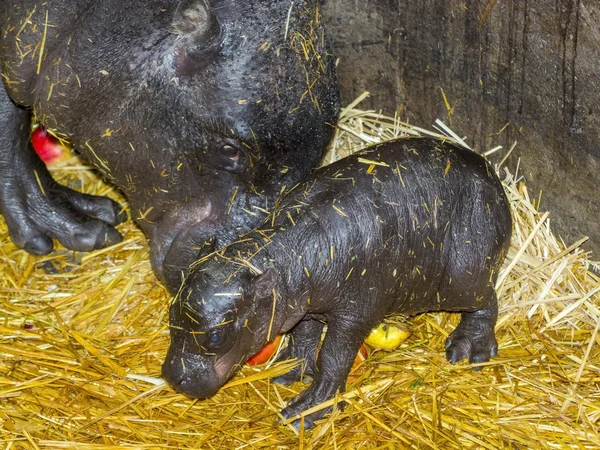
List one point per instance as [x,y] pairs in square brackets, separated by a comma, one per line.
[200,111]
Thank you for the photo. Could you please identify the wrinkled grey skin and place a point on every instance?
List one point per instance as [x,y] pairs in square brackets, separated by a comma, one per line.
[427,232]
[200,111]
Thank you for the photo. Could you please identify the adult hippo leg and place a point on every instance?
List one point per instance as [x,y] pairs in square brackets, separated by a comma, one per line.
[302,345]
[474,337]
[35,207]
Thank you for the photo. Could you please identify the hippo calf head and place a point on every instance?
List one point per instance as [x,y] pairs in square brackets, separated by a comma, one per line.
[222,315]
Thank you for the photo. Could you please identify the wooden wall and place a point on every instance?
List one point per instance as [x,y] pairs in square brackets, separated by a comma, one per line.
[531,64]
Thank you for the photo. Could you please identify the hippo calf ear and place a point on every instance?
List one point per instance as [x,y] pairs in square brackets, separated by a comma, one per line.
[265,283]
[200,33]
[206,248]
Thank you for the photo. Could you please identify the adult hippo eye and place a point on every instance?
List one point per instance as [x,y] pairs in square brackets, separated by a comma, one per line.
[230,152]
[216,339]
[231,158]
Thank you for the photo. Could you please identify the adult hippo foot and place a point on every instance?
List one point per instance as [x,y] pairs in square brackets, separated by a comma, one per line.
[302,345]
[37,210]
[473,338]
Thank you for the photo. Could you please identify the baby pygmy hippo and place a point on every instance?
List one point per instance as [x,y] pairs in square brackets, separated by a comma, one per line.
[409,226]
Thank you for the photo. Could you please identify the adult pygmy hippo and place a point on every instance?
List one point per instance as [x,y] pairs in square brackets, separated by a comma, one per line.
[199,110]
[408,226]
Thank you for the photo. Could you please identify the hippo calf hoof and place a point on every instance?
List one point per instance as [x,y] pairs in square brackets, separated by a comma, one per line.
[477,348]
[302,372]
[287,379]
[317,393]
[309,421]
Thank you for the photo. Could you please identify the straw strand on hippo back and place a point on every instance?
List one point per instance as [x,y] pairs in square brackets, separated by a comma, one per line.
[409,226]
[200,111]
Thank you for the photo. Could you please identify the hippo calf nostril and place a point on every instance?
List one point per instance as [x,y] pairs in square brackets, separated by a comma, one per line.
[181,381]
[173,377]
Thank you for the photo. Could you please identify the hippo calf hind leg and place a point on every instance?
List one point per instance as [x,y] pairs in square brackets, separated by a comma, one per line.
[340,346]
[474,336]
[302,345]
[35,207]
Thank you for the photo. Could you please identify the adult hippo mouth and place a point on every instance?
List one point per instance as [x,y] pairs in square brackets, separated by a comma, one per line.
[186,231]
[170,238]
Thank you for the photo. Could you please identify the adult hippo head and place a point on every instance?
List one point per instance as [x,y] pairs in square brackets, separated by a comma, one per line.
[201,111]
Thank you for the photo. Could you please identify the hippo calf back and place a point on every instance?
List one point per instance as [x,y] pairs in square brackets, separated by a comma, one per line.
[409,226]
[199,110]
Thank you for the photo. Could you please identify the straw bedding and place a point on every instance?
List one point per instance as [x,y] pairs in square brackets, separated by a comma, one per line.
[82,338]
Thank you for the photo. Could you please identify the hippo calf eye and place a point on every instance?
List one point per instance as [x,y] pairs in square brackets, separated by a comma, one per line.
[216,339]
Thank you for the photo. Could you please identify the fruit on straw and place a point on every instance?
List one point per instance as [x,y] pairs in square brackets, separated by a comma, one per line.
[387,336]
[362,355]
[49,148]
[266,352]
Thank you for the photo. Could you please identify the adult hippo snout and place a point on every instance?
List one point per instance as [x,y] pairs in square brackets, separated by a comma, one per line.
[184,233]
[176,229]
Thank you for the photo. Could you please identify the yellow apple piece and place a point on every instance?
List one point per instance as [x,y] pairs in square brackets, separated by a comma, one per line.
[387,336]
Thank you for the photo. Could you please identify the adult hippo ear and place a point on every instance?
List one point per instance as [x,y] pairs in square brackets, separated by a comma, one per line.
[200,36]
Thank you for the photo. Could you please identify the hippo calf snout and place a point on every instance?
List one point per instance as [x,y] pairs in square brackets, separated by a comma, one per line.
[191,375]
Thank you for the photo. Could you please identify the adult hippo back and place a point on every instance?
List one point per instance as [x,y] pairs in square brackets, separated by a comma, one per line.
[200,111]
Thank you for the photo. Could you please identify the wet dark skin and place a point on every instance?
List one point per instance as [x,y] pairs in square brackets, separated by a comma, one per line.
[407,227]
[200,111]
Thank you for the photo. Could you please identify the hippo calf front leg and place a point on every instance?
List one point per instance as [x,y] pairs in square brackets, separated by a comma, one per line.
[339,349]
[302,345]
